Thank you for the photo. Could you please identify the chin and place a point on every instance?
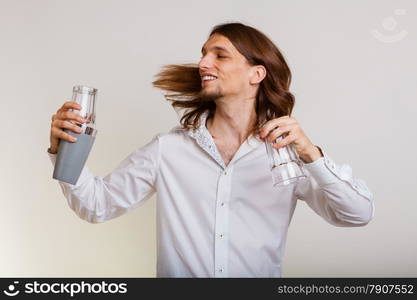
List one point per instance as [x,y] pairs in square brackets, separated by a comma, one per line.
[210,94]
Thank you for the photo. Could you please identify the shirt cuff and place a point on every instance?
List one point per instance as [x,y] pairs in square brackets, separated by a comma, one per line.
[323,170]
[52,157]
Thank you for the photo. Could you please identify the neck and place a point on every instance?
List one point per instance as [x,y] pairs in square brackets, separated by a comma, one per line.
[233,119]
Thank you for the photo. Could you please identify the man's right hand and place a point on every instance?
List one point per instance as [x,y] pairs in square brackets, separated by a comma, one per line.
[64,119]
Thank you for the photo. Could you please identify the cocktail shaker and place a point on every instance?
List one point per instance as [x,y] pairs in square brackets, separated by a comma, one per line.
[72,156]
[286,166]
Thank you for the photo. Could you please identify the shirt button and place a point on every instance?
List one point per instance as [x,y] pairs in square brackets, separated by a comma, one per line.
[225,172]
[221,235]
[221,270]
[222,204]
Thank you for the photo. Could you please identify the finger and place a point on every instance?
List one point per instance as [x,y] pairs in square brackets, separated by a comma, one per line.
[69,105]
[68,115]
[62,124]
[284,142]
[60,134]
[274,134]
[274,123]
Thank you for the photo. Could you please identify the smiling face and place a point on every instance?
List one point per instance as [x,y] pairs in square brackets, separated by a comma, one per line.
[223,69]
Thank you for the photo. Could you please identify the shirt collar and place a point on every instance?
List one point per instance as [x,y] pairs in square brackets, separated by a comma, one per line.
[206,142]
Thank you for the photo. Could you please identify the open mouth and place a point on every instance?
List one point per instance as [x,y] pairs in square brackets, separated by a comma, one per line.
[208,78]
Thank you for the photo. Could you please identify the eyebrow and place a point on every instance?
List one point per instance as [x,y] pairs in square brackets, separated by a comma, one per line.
[215,48]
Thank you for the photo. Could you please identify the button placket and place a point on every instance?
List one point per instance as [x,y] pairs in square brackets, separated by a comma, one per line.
[222,224]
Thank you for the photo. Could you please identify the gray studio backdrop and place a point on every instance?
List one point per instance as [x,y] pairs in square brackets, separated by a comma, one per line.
[354,78]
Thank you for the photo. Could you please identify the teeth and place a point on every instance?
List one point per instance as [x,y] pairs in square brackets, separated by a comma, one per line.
[207,77]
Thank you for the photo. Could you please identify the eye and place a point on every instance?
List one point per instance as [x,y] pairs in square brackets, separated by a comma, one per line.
[221,56]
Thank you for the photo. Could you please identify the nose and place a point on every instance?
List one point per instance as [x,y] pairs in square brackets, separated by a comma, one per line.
[204,63]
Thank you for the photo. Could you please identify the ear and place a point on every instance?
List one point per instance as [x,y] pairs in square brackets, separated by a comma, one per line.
[258,73]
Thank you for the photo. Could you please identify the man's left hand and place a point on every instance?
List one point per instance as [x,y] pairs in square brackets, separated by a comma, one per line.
[295,135]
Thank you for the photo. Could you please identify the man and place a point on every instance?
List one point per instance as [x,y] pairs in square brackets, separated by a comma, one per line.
[218,214]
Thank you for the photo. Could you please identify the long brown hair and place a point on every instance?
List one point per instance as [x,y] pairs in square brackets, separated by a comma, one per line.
[273,99]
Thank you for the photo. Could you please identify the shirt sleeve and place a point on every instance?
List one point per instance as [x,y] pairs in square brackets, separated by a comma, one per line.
[97,199]
[334,194]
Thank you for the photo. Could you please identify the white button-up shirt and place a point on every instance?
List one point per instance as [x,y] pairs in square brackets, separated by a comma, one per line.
[215,220]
